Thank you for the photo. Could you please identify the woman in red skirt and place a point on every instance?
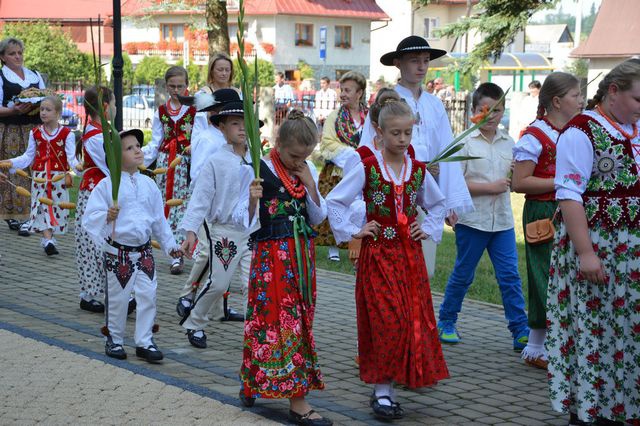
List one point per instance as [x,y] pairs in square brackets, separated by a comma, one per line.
[397,335]
[279,358]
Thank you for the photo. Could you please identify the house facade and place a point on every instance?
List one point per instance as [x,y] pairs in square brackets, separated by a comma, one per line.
[283,32]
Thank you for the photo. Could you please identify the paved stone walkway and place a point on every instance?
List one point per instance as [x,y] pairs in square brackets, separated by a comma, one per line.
[488,384]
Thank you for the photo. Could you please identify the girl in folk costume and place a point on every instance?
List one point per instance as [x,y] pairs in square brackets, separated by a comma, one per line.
[124,233]
[279,358]
[91,276]
[397,335]
[340,137]
[50,154]
[593,307]
[535,165]
[170,140]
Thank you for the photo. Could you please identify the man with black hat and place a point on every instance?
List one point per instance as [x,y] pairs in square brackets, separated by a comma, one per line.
[431,131]
[215,195]
[206,140]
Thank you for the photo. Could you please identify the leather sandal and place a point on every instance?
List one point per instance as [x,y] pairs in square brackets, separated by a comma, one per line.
[305,420]
[198,342]
[384,412]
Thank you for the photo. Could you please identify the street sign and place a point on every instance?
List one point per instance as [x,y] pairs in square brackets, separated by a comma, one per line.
[323,42]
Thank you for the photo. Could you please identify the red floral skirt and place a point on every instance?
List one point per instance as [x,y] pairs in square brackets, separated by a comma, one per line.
[279,359]
[397,333]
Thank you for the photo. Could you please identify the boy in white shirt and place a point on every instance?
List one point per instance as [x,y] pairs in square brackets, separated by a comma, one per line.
[214,198]
[124,233]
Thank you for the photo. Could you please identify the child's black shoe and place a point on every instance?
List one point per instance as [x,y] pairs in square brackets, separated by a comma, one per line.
[91,306]
[50,249]
[115,351]
[199,342]
[150,353]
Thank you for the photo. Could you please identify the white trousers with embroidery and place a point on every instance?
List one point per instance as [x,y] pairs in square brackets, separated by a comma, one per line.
[228,250]
[129,272]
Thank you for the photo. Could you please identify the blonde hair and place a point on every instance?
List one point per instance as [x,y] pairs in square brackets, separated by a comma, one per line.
[56,101]
[384,95]
[623,76]
[297,128]
[357,78]
[212,63]
[176,71]
[556,84]
[393,108]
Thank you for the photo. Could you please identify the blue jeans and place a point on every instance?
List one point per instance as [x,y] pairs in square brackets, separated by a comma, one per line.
[471,244]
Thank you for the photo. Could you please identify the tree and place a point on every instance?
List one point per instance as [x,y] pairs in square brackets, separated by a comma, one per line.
[127,70]
[306,70]
[497,20]
[266,72]
[149,69]
[49,50]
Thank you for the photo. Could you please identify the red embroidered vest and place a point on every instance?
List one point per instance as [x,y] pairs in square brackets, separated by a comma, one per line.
[92,174]
[612,197]
[51,153]
[546,167]
[177,134]
[379,198]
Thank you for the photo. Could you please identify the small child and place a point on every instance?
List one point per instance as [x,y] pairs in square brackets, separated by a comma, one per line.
[50,154]
[490,226]
[170,139]
[214,198]
[89,259]
[123,232]
[279,358]
[397,338]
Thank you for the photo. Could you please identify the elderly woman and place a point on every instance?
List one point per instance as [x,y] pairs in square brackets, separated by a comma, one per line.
[15,124]
[340,138]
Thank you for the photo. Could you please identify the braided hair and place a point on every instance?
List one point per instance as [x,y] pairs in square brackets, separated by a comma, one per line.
[393,108]
[298,128]
[556,84]
[384,95]
[623,76]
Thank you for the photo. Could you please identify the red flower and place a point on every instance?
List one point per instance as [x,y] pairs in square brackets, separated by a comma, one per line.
[563,295]
[618,356]
[261,377]
[598,331]
[617,410]
[297,359]
[618,302]
[635,274]
[566,402]
[621,249]
[597,385]
[593,304]
[593,411]
[636,328]
[594,358]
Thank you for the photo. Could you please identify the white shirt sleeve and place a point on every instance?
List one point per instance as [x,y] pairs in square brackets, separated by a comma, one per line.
[70,151]
[26,159]
[94,219]
[95,148]
[200,203]
[344,157]
[431,199]
[342,219]
[151,149]
[240,215]
[574,161]
[528,148]
[317,213]
[41,84]
[160,227]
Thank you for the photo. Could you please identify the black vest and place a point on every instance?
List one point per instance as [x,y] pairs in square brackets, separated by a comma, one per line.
[276,208]
[9,90]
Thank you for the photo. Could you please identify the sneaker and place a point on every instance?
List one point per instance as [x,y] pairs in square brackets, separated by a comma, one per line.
[114,351]
[150,353]
[91,306]
[448,332]
[183,306]
[199,340]
[50,249]
[521,340]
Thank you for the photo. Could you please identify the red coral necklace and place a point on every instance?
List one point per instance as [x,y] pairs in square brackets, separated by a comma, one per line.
[398,190]
[172,111]
[630,136]
[294,185]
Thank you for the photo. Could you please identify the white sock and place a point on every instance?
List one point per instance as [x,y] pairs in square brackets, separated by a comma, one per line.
[333,251]
[175,261]
[199,334]
[186,302]
[535,346]
[383,389]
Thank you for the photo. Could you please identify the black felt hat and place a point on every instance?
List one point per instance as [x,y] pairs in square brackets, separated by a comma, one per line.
[409,45]
[230,109]
[137,133]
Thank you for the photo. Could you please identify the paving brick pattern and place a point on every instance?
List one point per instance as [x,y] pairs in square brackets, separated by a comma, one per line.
[489,383]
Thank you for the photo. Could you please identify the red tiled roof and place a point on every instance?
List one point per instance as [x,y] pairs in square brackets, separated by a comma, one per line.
[355,9]
[68,10]
[615,33]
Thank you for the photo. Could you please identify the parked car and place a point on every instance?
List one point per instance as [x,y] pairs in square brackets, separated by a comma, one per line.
[74,100]
[137,111]
[69,119]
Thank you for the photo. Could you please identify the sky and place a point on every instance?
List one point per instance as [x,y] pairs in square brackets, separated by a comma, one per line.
[569,6]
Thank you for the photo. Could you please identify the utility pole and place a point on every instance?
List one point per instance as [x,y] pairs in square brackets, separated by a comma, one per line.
[117,63]
[576,40]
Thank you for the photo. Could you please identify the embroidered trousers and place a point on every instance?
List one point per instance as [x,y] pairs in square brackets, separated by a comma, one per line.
[228,250]
[130,272]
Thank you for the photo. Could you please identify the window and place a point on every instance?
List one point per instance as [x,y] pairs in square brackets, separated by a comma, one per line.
[304,35]
[172,32]
[430,25]
[343,37]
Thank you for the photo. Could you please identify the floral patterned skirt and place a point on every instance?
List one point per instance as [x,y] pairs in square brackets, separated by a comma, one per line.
[13,142]
[593,333]
[279,358]
[45,217]
[397,334]
[179,191]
